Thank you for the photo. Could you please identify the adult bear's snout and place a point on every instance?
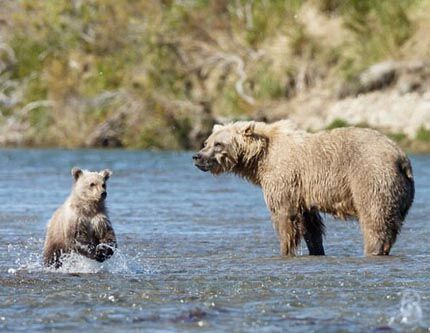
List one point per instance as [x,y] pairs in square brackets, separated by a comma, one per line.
[197,156]
[201,162]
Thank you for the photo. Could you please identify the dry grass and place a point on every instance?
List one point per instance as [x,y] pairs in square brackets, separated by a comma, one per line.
[93,59]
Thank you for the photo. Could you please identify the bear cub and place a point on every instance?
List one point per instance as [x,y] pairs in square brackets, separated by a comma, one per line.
[81,224]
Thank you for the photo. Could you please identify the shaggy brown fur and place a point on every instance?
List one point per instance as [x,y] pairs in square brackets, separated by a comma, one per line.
[346,172]
[81,224]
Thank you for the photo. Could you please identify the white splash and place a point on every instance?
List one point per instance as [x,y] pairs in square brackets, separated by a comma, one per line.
[11,271]
[29,258]
[411,313]
[75,263]
[27,255]
[119,263]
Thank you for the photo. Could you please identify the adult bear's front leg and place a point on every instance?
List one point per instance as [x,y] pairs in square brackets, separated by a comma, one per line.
[286,225]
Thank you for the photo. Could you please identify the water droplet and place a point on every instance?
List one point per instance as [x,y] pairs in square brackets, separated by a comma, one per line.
[11,271]
[410,313]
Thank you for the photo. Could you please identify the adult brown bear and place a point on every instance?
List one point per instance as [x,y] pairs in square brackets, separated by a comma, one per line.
[346,172]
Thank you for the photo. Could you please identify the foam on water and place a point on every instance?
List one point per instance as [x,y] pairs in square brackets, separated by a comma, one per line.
[27,255]
[29,258]
[410,313]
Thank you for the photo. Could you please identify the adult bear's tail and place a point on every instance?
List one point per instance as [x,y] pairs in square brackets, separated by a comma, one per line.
[406,170]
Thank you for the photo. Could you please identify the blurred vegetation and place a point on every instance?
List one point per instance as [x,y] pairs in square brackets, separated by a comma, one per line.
[337,123]
[166,65]
[423,134]
[398,137]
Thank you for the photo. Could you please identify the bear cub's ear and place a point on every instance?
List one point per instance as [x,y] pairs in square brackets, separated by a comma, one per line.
[76,173]
[106,173]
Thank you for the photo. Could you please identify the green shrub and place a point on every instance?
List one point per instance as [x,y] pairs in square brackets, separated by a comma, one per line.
[267,84]
[397,137]
[423,134]
[378,30]
[74,52]
[337,123]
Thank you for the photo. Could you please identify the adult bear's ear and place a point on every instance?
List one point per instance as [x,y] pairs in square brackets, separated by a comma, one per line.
[217,127]
[106,173]
[249,129]
[76,173]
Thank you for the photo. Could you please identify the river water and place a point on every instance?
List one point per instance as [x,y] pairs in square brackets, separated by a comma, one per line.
[197,253]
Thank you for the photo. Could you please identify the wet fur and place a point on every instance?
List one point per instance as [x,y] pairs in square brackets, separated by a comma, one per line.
[81,224]
[347,172]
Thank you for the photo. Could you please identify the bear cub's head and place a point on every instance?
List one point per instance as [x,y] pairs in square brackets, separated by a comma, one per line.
[90,185]
[230,148]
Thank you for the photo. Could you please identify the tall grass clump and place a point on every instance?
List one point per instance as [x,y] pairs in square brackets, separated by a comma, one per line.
[80,64]
[377,31]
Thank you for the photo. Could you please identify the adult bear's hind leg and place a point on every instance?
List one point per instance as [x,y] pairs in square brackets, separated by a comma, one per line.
[379,238]
[313,232]
[380,225]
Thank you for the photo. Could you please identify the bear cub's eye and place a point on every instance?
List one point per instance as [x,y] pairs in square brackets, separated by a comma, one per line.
[92,184]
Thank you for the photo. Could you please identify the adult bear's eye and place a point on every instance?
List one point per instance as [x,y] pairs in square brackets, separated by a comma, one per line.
[218,144]
[92,184]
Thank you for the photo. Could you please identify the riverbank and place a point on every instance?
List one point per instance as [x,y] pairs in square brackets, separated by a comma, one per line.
[107,74]
[392,97]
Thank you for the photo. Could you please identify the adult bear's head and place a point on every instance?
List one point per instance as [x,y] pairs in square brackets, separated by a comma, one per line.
[231,148]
